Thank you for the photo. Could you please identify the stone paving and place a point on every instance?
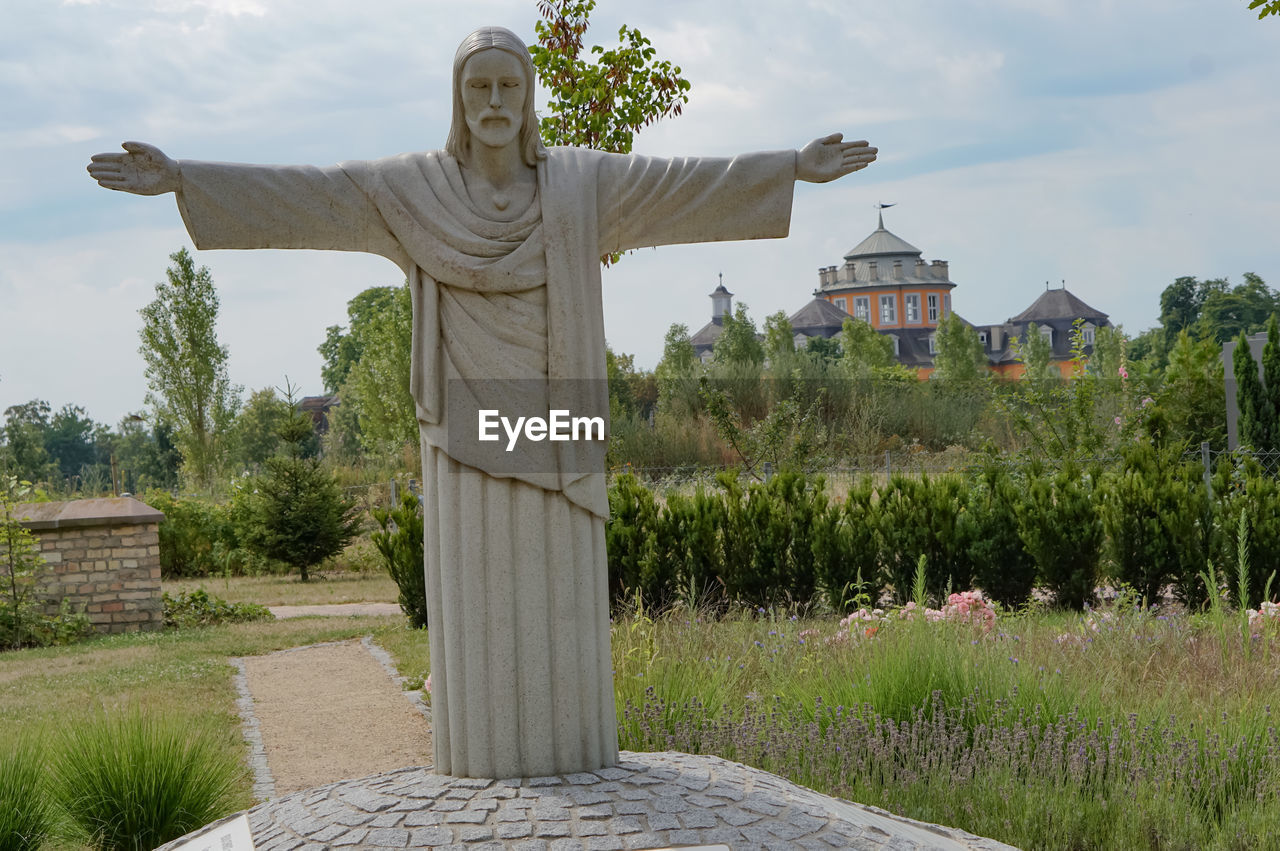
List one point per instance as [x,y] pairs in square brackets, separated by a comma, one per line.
[647,801]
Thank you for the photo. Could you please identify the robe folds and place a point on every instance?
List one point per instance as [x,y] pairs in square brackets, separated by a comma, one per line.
[515,561]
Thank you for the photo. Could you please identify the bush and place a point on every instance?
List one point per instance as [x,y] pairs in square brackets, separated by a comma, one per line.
[1002,567]
[400,542]
[1058,522]
[1156,516]
[631,539]
[294,512]
[197,538]
[200,608]
[688,539]
[845,549]
[1243,488]
[26,812]
[137,781]
[918,517]
[765,562]
[22,623]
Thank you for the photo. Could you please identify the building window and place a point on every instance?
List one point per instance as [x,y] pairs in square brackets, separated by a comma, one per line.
[982,338]
[888,310]
[843,304]
[1088,333]
[911,307]
[933,308]
[862,307]
[946,305]
[933,344]
[1047,333]
[897,348]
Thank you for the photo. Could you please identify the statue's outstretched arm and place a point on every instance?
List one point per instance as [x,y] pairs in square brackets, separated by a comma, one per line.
[831,157]
[143,170]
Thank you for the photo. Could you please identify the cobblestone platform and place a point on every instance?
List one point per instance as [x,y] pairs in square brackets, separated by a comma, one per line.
[647,801]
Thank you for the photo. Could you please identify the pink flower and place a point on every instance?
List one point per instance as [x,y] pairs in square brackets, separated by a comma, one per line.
[1124,373]
[427,685]
[1117,421]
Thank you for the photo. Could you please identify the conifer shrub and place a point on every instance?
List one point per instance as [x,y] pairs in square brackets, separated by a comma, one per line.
[399,540]
[1002,566]
[294,511]
[631,538]
[921,517]
[845,549]
[1242,488]
[1059,524]
[688,536]
[1155,513]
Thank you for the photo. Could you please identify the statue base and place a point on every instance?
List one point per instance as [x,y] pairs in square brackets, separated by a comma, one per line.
[647,801]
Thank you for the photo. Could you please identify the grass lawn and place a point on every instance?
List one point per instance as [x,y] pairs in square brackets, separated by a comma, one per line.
[333,587]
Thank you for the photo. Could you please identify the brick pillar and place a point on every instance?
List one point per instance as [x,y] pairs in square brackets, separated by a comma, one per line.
[103,555]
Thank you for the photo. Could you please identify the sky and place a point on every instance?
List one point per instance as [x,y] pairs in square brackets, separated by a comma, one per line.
[1113,145]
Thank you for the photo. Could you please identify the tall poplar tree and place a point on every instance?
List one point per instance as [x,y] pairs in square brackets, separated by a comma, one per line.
[187,368]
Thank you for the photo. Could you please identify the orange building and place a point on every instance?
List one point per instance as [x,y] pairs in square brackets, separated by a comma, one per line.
[886,281]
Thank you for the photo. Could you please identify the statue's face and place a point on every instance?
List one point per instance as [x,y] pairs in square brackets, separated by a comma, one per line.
[493,93]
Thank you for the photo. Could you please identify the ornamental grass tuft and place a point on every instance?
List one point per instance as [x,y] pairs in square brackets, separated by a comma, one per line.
[136,781]
[26,813]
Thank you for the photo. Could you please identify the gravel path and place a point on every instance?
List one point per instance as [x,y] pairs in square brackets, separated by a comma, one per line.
[330,712]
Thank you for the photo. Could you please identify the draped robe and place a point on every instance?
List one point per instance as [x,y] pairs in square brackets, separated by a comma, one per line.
[515,562]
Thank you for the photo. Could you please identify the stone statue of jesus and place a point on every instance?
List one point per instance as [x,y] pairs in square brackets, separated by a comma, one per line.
[501,240]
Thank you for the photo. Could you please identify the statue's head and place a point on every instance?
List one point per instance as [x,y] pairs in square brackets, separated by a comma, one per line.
[460,135]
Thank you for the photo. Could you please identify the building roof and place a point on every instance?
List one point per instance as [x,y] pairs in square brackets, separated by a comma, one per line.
[817,314]
[707,335]
[1058,305]
[882,242]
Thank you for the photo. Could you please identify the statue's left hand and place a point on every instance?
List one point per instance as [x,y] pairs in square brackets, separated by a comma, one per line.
[831,157]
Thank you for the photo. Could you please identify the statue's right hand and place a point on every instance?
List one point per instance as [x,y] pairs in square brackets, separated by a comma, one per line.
[143,170]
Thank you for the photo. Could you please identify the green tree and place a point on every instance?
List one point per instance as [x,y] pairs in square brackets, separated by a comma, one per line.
[632,392]
[739,342]
[146,457]
[960,358]
[1255,422]
[74,442]
[1192,398]
[1035,352]
[1271,380]
[377,386]
[256,433]
[604,103]
[823,350]
[19,559]
[779,339]
[1265,7]
[294,511]
[864,349]
[24,433]
[343,346]
[1228,311]
[677,373]
[186,367]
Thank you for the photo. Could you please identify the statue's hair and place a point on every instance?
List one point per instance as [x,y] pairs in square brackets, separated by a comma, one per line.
[459,142]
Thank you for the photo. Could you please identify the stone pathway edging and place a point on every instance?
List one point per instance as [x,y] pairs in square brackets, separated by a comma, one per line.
[414,696]
[264,785]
